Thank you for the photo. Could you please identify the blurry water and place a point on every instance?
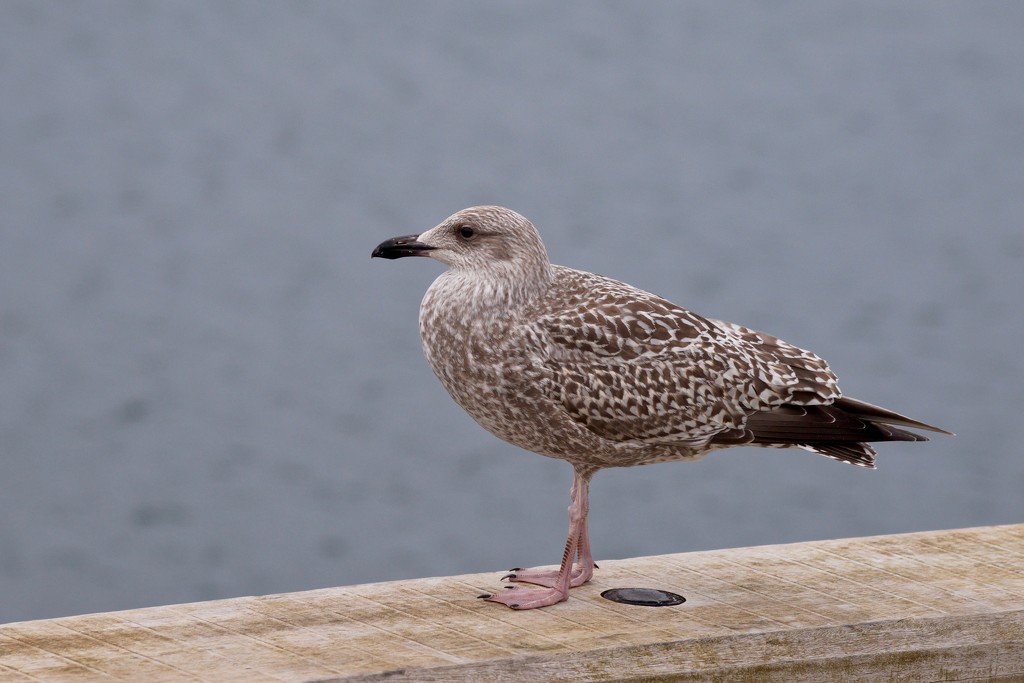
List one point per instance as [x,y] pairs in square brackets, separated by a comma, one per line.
[207,388]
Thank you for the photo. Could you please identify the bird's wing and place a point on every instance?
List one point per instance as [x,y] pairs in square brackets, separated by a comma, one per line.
[634,367]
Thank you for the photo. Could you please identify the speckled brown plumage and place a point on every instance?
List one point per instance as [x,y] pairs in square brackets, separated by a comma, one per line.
[577,366]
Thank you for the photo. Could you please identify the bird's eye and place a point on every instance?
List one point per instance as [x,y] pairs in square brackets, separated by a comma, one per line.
[466,232]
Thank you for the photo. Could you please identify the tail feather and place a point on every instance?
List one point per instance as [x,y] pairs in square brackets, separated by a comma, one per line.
[859,454]
[840,430]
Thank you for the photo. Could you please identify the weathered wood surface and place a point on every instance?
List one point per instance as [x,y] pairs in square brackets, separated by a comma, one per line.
[933,606]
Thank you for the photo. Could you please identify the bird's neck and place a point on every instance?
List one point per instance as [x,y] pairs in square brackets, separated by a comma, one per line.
[487,296]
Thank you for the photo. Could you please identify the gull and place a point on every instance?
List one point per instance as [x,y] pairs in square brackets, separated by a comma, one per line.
[577,366]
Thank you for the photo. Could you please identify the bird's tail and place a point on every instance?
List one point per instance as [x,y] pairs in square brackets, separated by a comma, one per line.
[881,421]
[840,430]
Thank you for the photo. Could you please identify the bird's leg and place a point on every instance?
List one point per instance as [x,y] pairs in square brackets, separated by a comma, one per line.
[583,571]
[557,583]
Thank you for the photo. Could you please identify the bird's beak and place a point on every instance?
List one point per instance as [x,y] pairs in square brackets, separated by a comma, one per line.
[397,247]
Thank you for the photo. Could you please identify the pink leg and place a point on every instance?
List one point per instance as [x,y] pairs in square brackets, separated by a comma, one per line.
[583,571]
[557,583]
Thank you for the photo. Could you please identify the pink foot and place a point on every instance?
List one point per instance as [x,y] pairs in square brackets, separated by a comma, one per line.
[527,598]
[569,574]
[549,577]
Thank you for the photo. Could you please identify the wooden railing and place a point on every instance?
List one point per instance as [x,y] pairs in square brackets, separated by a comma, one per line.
[944,605]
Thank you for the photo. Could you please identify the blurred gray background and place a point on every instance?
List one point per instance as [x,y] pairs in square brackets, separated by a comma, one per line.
[208,389]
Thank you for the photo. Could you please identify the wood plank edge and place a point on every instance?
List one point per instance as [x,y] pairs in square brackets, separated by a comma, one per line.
[982,647]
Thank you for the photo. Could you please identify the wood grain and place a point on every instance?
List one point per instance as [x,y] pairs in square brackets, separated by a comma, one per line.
[944,605]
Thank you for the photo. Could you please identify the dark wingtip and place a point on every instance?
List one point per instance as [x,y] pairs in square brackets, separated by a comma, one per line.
[879,414]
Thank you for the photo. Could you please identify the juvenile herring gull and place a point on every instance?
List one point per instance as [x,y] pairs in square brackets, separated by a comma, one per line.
[577,366]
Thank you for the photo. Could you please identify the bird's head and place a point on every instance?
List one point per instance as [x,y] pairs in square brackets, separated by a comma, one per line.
[483,239]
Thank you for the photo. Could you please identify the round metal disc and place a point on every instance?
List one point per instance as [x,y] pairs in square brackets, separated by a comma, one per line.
[647,597]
